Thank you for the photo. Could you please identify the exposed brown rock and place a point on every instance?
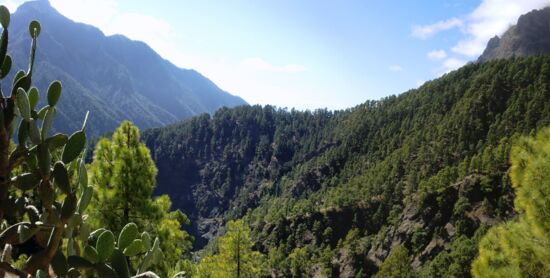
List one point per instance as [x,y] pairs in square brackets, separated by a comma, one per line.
[530,36]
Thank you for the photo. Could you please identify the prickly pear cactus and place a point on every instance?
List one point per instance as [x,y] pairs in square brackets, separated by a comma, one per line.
[44,191]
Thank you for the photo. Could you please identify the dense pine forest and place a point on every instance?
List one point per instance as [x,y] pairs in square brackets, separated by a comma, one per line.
[448,180]
[333,193]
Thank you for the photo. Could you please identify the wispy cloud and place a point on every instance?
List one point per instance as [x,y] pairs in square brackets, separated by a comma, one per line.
[490,18]
[259,64]
[97,13]
[12,4]
[107,16]
[395,68]
[437,54]
[231,74]
[426,31]
[451,64]
[242,77]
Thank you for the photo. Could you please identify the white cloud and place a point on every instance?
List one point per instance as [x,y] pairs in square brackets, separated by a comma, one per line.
[426,31]
[242,77]
[98,13]
[490,18]
[395,68]
[12,4]
[236,76]
[105,15]
[259,64]
[437,54]
[451,64]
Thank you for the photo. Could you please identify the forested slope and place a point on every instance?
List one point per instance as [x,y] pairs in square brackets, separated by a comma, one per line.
[231,160]
[334,192]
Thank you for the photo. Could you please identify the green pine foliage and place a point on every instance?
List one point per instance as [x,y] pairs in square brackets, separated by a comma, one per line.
[435,158]
[44,191]
[233,255]
[396,265]
[124,175]
[521,247]
[414,185]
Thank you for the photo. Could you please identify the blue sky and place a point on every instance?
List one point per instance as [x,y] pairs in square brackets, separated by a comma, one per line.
[307,54]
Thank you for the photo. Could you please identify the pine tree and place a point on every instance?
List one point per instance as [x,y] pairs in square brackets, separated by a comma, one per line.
[396,265]
[44,192]
[234,257]
[124,174]
[123,170]
[521,248]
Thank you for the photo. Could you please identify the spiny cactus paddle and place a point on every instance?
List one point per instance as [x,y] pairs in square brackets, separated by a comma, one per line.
[44,189]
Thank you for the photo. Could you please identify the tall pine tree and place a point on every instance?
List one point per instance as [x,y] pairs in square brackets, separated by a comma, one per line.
[396,265]
[124,175]
[521,248]
[234,256]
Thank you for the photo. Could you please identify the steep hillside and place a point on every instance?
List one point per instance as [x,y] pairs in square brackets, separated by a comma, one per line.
[334,193]
[212,166]
[530,36]
[113,77]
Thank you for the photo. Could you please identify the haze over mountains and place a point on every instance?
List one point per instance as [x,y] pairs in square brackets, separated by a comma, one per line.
[116,78]
[113,77]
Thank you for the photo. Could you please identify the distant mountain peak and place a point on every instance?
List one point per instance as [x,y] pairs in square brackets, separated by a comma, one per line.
[40,5]
[113,77]
[530,36]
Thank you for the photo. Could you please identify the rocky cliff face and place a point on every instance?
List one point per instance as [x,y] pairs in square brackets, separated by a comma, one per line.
[530,36]
[441,216]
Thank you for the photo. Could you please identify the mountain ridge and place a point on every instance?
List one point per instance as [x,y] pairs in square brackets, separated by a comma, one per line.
[529,36]
[333,194]
[339,190]
[426,169]
[112,76]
